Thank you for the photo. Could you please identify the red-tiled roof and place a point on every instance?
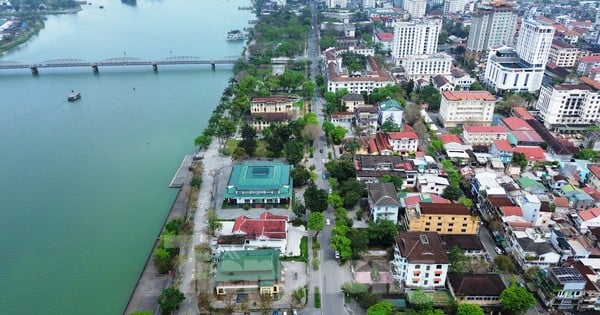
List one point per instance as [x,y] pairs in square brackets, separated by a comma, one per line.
[385,37]
[594,169]
[502,145]
[508,211]
[516,123]
[592,192]
[449,138]
[522,112]
[269,225]
[398,135]
[589,214]
[532,153]
[382,142]
[527,136]
[484,129]
[466,95]
[412,201]
[590,59]
[454,209]
[341,114]
[562,202]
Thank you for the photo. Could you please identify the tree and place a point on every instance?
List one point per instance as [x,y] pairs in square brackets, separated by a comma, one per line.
[316,222]
[248,139]
[300,175]
[412,114]
[504,264]
[469,309]
[381,308]
[298,297]
[338,134]
[587,154]
[239,153]
[476,87]
[170,299]
[394,179]
[315,199]
[519,159]
[142,313]
[213,221]
[352,146]
[335,200]
[294,151]
[359,241]
[517,299]
[382,232]
[389,126]
[452,192]
[266,302]
[162,260]
[458,259]
[341,169]
[299,209]
[226,128]
[343,245]
[202,141]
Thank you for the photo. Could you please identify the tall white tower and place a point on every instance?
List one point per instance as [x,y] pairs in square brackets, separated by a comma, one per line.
[493,24]
[534,42]
[416,8]
[416,37]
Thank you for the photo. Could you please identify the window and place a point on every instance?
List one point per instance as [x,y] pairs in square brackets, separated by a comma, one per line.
[438,266]
[417,266]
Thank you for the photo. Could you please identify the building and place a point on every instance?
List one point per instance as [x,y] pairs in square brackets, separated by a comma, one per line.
[483,135]
[366,119]
[337,4]
[416,37]
[481,289]
[563,54]
[390,110]
[257,183]
[262,121]
[469,243]
[533,44]
[441,218]
[457,6]
[592,140]
[248,271]
[273,104]
[587,219]
[493,24]
[427,66]
[561,288]
[568,107]
[587,63]
[385,39]
[343,119]
[441,83]
[593,179]
[403,142]
[339,78]
[369,168]
[431,184]
[467,108]
[383,201]
[520,132]
[268,231]
[420,261]
[416,8]
[502,150]
[461,79]
[531,249]
[504,70]
[352,101]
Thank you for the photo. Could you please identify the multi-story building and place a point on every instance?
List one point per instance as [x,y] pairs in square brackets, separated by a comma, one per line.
[339,78]
[532,252]
[502,150]
[467,108]
[568,107]
[431,184]
[563,54]
[443,219]
[427,66]
[337,4]
[352,101]
[273,104]
[416,37]
[366,119]
[259,183]
[420,261]
[390,110]
[403,142]
[562,288]
[593,179]
[483,135]
[587,63]
[457,6]
[493,24]
[369,168]
[416,8]
[533,44]
[383,202]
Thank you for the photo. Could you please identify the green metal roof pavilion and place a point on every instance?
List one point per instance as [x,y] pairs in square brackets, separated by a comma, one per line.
[249,265]
[258,181]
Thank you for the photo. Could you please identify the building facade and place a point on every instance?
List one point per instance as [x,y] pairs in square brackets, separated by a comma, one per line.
[427,66]
[259,183]
[383,201]
[248,271]
[416,8]
[416,37]
[467,108]
[492,25]
[568,106]
[442,219]
[483,135]
[563,54]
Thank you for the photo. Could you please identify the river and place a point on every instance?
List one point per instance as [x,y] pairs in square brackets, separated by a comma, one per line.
[83,185]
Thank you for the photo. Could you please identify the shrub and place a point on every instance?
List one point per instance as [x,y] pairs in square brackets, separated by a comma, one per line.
[247,206]
[317,297]
[196,182]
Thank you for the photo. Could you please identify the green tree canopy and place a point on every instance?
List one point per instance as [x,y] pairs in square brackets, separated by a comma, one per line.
[315,199]
[452,192]
[469,309]
[342,244]
[300,175]
[202,141]
[170,299]
[458,259]
[382,232]
[294,151]
[394,179]
[504,264]
[516,299]
[587,154]
[381,308]
[316,222]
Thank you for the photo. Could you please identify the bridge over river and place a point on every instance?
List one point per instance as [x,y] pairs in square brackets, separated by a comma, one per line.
[115,62]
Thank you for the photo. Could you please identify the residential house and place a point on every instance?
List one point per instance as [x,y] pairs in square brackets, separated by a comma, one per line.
[461,79]
[593,178]
[483,135]
[567,241]
[411,200]
[366,119]
[385,39]
[248,271]
[590,301]
[390,110]
[352,101]
[431,184]
[587,219]
[531,248]
[520,132]
[558,182]
[420,261]
[441,218]
[502,150]
[586,64]
[469,243]
[404,142]
[561,288]
[578,199]
[486,182]
[343,119]
[383,201]
[481,289]
[530,205]
[532,154]
[268,231]
[441,83]
[369,168]
[258,183]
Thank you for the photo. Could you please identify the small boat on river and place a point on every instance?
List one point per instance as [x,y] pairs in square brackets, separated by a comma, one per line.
[74,96]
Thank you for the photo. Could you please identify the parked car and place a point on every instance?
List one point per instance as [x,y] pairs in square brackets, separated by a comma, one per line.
[498,250]
[337,255]
[321,151]
[327,222]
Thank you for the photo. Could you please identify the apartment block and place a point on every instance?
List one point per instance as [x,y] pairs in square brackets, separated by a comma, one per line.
[468,108]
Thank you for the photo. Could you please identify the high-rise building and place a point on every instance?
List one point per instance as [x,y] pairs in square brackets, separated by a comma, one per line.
[494,24]
[533,44]
[332,4]
[416,37]
[457,6]
[416,8]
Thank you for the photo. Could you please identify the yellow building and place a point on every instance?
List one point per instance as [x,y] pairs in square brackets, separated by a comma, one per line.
[441,218]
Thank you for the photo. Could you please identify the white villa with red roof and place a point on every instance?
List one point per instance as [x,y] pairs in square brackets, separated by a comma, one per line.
[268,231]
[587,219]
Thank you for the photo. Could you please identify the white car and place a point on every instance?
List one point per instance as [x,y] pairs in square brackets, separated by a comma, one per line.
[327,222]
[498,250]
[337,255]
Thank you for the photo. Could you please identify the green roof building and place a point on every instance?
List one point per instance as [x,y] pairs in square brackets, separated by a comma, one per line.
[248,270]
[259,183]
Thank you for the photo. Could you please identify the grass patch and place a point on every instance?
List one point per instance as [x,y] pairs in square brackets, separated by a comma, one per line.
[317,297]
[230,145]
[261,148]
[303,252]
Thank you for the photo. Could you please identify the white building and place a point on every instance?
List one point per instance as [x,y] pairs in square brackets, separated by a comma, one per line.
[416,37]
[530,205]
[403,141]
[587,219]
[416,8]
[420,261]
[483,135]
[458,6]
[568,106]
[338,77]
[533,250]
[390,110]
[431,184]
[333,4]
[563,54]
[427,66]
[534,42]
[492,25]
[467,108]
[383,201]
